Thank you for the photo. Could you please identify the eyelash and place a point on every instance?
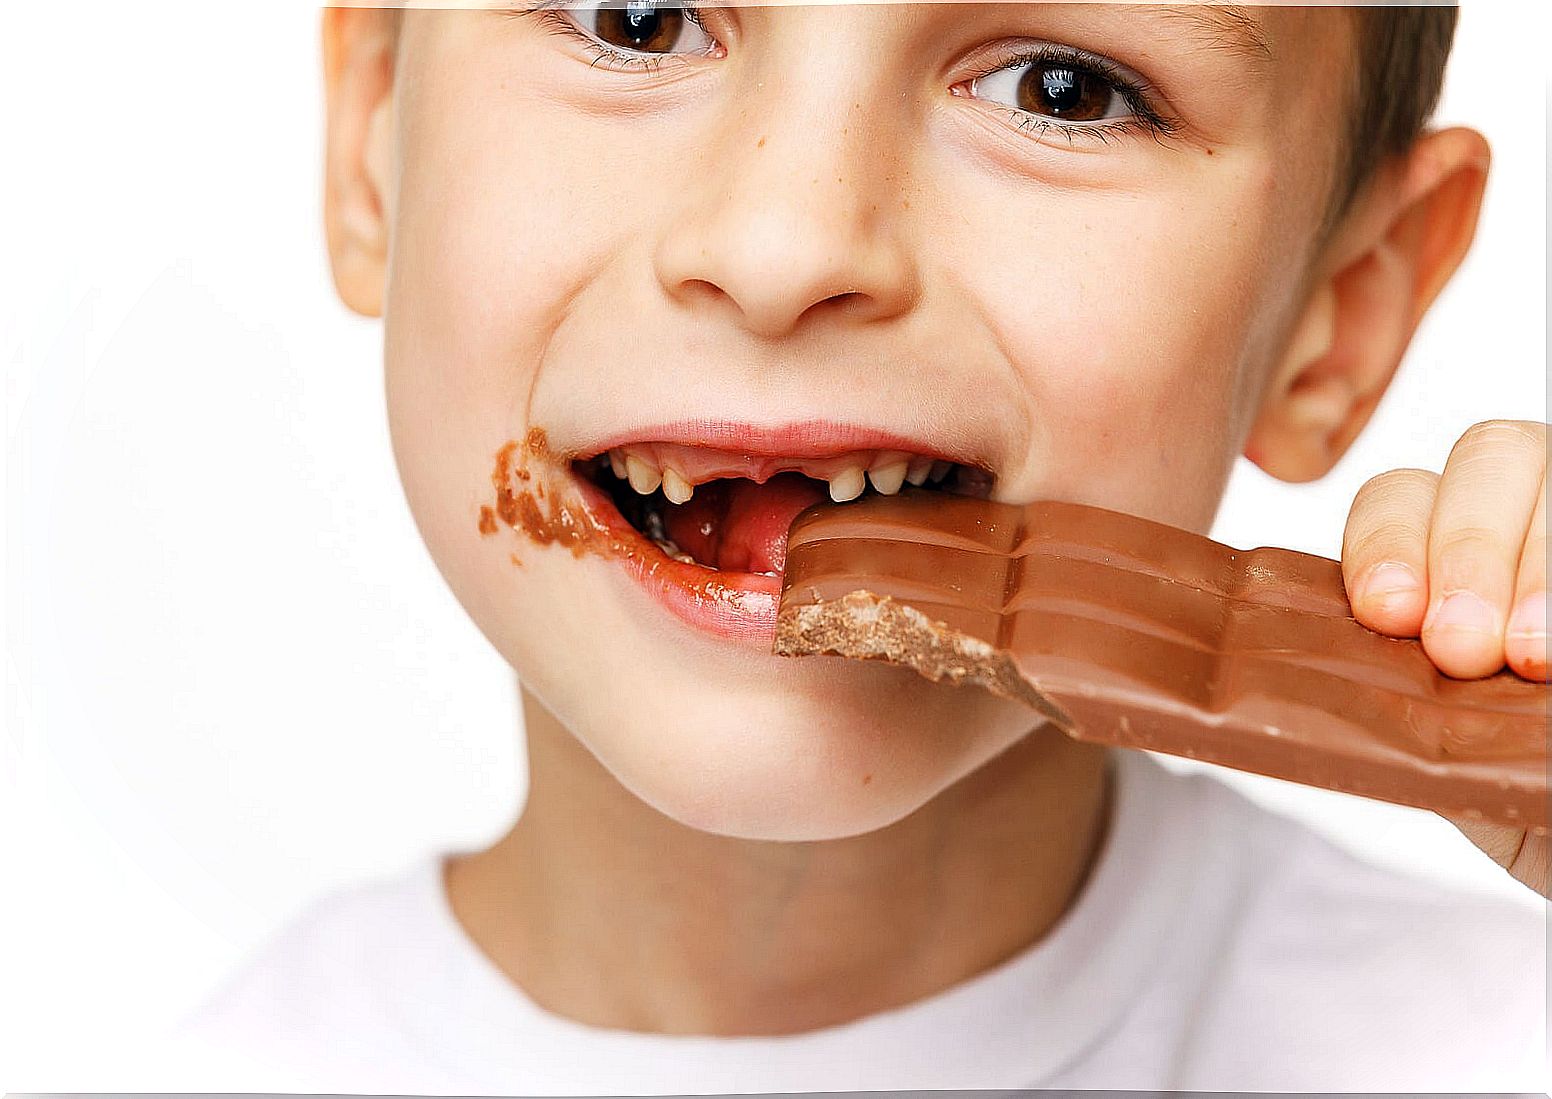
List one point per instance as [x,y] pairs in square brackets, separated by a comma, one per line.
[1138,95]
[551,15]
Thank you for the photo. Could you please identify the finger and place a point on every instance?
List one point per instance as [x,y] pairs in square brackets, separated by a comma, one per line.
[1385,551]
[1480,516]
[1525,856]
[1525,642]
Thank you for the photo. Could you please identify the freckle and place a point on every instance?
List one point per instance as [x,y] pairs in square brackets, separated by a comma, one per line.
[515,560]
[866,779]
[487,521]
[905,204]
[761,143]
[1209,152]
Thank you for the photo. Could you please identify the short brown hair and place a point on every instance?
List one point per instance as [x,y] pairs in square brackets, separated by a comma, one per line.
[1400,53]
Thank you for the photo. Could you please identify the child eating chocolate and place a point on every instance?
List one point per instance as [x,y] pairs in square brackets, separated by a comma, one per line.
[655,279]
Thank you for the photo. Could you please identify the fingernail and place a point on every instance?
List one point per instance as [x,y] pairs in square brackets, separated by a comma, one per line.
[1389,585]
[1529,620]
[1465,612]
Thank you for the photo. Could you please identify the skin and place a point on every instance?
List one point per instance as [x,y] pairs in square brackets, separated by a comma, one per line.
[720,841]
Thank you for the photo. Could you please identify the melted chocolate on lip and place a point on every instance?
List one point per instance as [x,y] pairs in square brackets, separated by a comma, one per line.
[561,515]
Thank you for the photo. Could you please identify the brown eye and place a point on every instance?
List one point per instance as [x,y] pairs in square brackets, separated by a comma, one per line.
[1065,92]
[641,33]
[641,25]
[1059,90]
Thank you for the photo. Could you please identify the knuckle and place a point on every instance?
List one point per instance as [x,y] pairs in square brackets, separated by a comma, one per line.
[1469,544]
[1397,492]
[1388,539]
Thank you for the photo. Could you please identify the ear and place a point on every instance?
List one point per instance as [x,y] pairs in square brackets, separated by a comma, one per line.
[359,47]
[1382,269]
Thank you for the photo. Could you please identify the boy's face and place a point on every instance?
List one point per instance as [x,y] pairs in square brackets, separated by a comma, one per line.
[943,223]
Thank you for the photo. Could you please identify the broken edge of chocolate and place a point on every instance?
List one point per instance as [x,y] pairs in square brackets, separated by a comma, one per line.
[866,626]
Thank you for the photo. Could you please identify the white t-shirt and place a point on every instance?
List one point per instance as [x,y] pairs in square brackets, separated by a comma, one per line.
[1216,946]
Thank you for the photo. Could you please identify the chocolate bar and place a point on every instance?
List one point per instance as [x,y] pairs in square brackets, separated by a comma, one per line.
[1124,631]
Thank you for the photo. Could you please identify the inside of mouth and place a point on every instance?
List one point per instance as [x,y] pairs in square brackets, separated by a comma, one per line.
[735,524]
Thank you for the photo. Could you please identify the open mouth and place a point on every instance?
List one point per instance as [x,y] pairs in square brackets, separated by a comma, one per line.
[730,513]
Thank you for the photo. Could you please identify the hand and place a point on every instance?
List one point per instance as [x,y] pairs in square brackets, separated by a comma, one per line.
[1460,560]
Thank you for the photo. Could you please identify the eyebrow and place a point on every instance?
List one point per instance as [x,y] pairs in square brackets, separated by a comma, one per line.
[1227,26]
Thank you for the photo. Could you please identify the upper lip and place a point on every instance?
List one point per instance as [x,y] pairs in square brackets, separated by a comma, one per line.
[812,439]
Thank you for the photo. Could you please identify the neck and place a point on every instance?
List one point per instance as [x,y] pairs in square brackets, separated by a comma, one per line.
[607,912]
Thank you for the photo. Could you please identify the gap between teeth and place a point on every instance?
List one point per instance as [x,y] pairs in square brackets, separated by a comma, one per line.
[846,484]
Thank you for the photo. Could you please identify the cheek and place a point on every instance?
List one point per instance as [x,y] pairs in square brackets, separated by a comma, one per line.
[492,237]
[1132,321]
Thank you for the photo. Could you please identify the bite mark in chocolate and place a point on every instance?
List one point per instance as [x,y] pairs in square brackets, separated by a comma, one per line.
[865,626]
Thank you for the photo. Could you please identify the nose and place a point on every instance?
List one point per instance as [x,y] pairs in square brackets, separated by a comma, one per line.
[783,223]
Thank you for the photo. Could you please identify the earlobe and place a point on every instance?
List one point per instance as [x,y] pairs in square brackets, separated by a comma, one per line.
[358,71]
[1396,250]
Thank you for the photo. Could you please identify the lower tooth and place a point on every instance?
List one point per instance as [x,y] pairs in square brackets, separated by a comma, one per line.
[671,549]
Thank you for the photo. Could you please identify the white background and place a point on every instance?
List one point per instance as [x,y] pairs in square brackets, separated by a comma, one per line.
[234,678]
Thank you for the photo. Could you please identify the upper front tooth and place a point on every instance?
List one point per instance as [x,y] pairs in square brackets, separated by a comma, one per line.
[644,477]
[847,484]
[675,487]
[940,469]
[617,464]
[888,478]
[919,468]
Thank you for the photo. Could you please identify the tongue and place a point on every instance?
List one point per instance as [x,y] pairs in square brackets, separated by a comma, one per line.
[739,526]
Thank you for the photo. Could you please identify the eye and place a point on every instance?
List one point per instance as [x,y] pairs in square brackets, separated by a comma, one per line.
[643,27]
[1059,90]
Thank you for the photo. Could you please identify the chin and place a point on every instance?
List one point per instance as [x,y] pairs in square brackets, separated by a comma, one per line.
[841,752]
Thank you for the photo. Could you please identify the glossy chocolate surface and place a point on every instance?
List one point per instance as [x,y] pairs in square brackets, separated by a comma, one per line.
[1127,632]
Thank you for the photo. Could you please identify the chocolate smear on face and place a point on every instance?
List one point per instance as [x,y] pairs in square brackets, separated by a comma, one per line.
[544,518]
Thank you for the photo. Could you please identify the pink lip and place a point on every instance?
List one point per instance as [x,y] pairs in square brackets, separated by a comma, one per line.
[803,439]
[738,606]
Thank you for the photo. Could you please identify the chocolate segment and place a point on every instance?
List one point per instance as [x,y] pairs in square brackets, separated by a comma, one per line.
[1124,631]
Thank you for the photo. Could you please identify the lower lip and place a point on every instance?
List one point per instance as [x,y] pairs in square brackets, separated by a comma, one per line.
[738,606]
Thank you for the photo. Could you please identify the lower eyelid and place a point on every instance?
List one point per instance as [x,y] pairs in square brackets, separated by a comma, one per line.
[557,21]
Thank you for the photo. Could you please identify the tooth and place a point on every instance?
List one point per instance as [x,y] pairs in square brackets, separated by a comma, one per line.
[940,470]
[617,464]
[888,478]
[847,484]
[643,476]
[675,487]
[919,468]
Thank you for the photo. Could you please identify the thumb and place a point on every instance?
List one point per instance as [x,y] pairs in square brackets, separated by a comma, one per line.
[1525,856]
